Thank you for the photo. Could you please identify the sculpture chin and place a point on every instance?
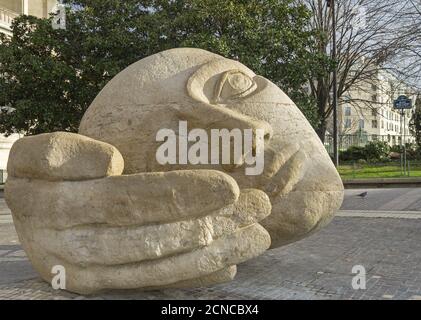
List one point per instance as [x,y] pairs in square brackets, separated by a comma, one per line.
[295,216]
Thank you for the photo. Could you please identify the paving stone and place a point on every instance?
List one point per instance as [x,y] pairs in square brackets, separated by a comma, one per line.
[319,267]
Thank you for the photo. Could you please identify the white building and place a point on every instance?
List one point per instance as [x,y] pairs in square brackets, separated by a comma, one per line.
[369,111]
[9,10]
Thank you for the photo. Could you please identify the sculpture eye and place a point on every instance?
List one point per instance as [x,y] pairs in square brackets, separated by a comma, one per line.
[233,85]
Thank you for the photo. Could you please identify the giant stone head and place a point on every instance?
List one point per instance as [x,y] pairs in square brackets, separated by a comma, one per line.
[100,205]
[210,91]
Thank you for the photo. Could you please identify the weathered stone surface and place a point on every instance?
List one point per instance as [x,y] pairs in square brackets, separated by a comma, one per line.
[221,276]
[101,235]
[210,91]
[129,227]
[130,200]
[160,226]
[63,156]
[229,250]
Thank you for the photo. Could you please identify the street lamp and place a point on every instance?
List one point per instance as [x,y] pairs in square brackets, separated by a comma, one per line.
[331,5]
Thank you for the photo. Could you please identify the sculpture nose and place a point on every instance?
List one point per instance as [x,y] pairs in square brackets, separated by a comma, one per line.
[254,134]
[216,117]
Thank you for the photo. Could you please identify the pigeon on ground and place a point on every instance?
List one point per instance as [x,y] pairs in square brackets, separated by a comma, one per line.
[363,195]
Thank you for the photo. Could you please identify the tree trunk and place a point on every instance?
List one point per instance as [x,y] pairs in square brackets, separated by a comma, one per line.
[323,94]
[321,131]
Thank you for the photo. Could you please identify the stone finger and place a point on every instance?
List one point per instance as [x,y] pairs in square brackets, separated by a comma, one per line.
[229,250]
[130,200]
[100,244]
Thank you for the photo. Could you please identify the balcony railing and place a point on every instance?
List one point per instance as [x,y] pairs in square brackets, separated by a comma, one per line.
[6,17]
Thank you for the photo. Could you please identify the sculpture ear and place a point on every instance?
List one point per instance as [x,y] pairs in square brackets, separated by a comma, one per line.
[220,81]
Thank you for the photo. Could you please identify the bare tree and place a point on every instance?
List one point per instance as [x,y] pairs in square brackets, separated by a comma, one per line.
[370,36]
[409,58]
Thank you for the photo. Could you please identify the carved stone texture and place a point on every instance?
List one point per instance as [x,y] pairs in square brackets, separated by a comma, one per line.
[134,223]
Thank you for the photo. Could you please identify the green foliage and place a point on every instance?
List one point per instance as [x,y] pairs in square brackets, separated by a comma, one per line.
[49,77]
[353,153]
[376,151]
[372,152]
[413,151]
[415,123]
[396,148]
[361,162]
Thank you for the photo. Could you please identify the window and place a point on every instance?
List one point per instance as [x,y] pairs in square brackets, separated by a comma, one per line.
[347,111]
[374,112]
[361,124]
[374,124]
[347,123]
[382,124]
[374,97]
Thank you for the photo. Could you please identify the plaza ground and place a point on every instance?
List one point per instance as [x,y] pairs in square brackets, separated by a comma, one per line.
[381,232]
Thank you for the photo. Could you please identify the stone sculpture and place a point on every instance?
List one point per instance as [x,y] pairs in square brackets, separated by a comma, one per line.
[99,204]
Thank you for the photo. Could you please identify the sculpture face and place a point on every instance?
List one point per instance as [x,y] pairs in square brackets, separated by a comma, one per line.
[168,225]
[211,92]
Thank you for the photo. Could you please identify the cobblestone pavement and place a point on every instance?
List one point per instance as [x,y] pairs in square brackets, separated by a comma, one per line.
[318,267]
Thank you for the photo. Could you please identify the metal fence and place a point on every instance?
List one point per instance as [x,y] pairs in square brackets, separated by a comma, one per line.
[393,169]
[348,140]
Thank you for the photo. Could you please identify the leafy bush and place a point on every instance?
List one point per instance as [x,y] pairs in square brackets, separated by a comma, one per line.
[376,151]
[396,148]
[373,151]
[353,153]
[361,161]
[413,152]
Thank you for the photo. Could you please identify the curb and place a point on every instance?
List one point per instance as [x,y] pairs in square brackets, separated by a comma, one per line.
[379,214]
[382,183]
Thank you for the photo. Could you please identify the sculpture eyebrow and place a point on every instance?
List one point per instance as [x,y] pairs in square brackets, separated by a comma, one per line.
[220,85]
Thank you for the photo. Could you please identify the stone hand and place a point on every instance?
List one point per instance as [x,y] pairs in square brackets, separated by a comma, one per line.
[73,207]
